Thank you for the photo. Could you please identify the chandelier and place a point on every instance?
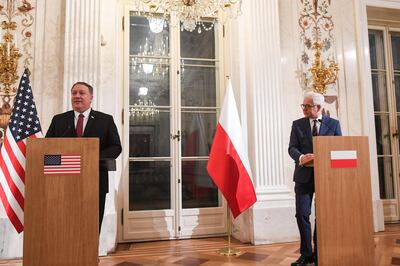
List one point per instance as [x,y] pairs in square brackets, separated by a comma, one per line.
[143,110]
[151,60]
[191,12]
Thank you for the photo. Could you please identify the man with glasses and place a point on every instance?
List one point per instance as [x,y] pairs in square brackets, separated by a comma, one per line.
[301,150]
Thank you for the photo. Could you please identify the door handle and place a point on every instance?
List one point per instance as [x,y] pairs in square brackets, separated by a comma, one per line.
[396,134]
[176,136]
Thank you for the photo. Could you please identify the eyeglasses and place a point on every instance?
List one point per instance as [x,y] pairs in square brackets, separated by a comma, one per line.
[306,106]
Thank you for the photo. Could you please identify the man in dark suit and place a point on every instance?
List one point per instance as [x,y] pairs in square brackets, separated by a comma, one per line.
[301,150]
[83,121]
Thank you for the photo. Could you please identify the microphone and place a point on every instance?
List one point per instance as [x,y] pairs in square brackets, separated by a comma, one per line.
[331,129]
[66,131]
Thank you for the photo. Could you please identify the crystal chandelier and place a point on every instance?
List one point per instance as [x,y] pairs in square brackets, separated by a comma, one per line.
[190,12]
[151,60]
[143,110]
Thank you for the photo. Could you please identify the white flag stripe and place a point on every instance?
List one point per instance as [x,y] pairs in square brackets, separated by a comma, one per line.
[62,172]
[11,200]
[7,160]
[229,120]
[343,155]
[39,135]
[72,163]
[61,167]
[13,174]
[17,152]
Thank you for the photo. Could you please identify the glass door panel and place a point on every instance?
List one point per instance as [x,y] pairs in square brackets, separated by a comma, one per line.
[200,68]
[150,207]
[385,62]
[198,190]
[198,115]
[150,186]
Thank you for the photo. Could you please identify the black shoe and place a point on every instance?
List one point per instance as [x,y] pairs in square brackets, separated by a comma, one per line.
[303,261]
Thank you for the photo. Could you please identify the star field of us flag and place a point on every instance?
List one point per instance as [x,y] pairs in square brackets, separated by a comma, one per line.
[24,123]
[65,164]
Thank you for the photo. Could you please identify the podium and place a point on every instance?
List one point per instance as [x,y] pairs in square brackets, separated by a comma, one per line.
[61,205]
[343,201]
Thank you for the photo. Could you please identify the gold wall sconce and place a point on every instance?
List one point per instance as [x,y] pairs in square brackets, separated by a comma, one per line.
[323,75]
[15,21]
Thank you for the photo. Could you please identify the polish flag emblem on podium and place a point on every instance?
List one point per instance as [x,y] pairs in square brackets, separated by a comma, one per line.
[343,159]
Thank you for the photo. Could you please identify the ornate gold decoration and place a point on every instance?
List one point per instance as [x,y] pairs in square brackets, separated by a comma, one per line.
[316,25]
[25,7]
[10,53]
[189,2]
[322,75]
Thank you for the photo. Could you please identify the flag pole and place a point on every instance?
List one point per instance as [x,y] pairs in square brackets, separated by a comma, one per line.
[228,251]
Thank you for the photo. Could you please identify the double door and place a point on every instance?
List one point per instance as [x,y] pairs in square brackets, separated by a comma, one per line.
[384,41]
[173,81]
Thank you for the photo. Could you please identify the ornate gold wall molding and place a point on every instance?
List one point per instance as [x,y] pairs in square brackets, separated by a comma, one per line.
[316,35]
[16,19]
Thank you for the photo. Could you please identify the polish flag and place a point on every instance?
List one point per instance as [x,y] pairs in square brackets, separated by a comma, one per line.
[228,164]
[343,159]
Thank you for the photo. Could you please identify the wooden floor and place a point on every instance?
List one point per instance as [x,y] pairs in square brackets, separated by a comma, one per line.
[194,252]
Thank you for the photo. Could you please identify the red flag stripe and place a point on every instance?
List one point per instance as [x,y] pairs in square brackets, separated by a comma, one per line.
[16,149]
[11,199]
[9,156]
[12,174]
[230,174]
[17,166]
[10,212]
[72,166]
[344,163]
[22,146]
[13,188]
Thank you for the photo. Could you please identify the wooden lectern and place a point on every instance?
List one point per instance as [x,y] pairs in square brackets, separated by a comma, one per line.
[343,201]
[61,209]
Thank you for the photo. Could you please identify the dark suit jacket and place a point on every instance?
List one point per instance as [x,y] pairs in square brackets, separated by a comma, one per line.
[99,125]
[301,143]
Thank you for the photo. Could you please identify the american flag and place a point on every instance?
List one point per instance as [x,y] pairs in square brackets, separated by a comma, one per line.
[62,164]
[24,123]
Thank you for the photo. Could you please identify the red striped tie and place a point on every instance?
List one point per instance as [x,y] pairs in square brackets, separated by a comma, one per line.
[314,128]
[79,126]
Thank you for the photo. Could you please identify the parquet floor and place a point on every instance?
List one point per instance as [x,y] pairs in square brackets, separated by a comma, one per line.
[196,252]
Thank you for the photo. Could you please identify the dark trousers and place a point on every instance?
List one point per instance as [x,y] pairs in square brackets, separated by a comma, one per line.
[304,196]
[102,202]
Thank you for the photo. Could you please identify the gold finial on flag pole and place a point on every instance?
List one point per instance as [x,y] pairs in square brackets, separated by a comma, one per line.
[228,251]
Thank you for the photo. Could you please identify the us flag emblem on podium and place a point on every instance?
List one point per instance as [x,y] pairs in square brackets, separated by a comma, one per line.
[62,164]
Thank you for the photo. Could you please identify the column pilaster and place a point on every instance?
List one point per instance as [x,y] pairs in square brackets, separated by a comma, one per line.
[82,45]
[257,71]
